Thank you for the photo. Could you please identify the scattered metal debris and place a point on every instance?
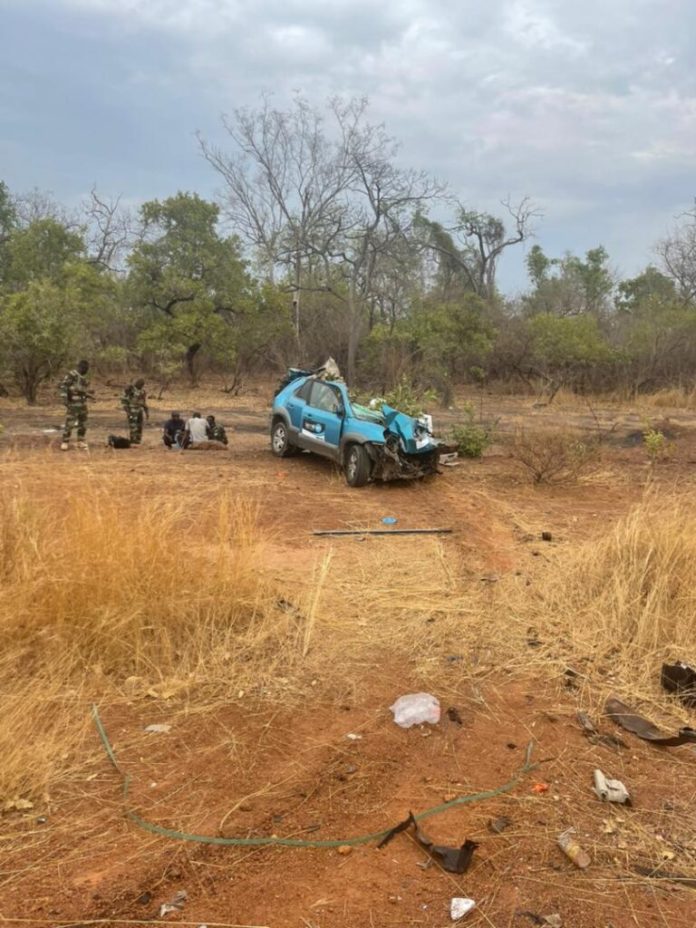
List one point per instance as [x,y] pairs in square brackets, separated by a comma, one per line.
[415,709]
[586,723]
[459,907]
[546,536]
[593,734]
[610,790]
[389,520]
[452,859]
[552,921]
[351,736]
[622,714]
[680,679]
[176,903]
[498,825]
[384,531]
[665,875]
[573,850]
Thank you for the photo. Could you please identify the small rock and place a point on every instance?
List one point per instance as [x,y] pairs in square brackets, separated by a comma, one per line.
[460,907]
[350,768]
[546,536]
[159,729]
[351,736]
[553,921]
[245,807]
[344,850]
[449,797]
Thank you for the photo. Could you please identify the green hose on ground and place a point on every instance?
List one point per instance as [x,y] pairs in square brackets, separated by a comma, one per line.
[297,842]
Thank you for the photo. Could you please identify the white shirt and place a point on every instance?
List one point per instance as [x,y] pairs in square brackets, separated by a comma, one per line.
[197,429]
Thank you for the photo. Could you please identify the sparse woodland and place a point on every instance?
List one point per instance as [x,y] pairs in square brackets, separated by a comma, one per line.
[320,244]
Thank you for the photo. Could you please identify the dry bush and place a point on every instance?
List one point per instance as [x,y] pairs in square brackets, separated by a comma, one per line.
[671,398]
[620,605]
[554,456]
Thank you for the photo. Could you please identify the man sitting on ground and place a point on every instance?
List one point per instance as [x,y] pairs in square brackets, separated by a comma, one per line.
[173,431]
[196,431]
[216,432]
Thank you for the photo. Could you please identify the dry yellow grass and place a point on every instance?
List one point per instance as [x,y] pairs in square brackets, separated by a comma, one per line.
[618,606]
[101,595]
[98,593]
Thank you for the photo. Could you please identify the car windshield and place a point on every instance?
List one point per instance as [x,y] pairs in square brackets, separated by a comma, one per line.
[367,414]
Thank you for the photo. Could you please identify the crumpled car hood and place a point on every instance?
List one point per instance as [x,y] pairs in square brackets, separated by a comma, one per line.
[414,434]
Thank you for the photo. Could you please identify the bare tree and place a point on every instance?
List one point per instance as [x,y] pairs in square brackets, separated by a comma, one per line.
[283,182]
[110,231]
[37,205]
[324,206]
[472,247]
[677,253]
[378,218]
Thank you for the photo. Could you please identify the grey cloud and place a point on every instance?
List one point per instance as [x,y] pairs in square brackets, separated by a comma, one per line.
[587,107]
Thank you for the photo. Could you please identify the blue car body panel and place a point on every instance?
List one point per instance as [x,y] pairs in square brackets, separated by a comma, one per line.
[320,417]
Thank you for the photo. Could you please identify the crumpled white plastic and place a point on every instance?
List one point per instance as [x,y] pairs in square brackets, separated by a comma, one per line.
[416,708]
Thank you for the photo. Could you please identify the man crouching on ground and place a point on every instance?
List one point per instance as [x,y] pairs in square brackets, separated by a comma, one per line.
[216,432]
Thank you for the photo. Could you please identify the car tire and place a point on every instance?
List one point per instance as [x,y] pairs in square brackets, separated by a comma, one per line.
[280,441]
[357,466]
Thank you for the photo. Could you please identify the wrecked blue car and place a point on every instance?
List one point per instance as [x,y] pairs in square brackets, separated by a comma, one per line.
[311,413]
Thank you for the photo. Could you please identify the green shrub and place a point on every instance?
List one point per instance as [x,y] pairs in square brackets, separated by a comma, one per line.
[406,397]
[655,444]
[471,438]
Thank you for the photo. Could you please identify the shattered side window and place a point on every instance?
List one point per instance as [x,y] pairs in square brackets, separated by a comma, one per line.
[304,390]
[324,397]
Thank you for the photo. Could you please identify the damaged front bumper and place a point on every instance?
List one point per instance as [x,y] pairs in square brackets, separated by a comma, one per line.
[409,451]
[391,462]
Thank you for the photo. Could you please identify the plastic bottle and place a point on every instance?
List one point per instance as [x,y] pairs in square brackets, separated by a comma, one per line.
[572,849]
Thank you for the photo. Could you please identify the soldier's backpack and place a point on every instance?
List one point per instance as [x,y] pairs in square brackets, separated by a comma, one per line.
[117,441]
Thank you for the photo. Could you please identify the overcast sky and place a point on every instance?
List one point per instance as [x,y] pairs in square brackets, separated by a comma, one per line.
[586,106]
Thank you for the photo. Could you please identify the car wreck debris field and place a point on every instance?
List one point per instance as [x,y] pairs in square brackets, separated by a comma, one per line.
[203,719]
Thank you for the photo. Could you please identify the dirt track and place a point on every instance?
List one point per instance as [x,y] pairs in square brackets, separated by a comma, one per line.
[264,769]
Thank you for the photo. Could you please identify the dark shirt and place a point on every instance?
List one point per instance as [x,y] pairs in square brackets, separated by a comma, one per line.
[217,433]
[172,426]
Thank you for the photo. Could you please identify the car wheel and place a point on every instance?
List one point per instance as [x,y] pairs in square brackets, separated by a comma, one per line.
[280,443]
[357,466]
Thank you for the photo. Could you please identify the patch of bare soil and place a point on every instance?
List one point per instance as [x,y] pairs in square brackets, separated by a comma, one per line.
[250,770]
[253,766]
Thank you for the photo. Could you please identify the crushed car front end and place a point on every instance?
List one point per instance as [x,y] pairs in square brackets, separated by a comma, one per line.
[401,447]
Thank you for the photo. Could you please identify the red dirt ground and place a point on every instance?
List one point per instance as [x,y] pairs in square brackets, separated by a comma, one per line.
[265,769]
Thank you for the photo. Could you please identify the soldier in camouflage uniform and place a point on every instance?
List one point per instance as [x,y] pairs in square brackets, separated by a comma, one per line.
[216,432]
[134,401]
[74,391]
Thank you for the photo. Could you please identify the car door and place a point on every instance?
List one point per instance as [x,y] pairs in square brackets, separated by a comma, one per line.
[322,420]
[296,404]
